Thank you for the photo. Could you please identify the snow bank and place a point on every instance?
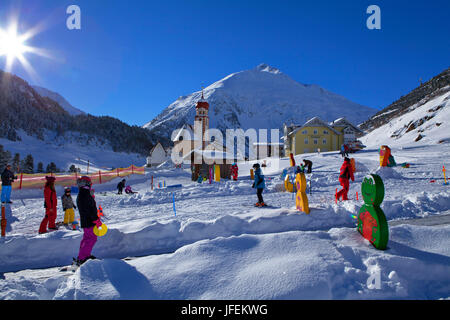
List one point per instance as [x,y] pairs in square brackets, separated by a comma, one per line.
[338,264]
[150,237]
[388,173]
[147,236]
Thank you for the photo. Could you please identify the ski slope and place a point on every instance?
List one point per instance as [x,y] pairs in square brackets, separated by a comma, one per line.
[217,245]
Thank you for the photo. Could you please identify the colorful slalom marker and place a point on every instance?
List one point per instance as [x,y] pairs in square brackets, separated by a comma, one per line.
[173,200]
[445,178]
[372,222]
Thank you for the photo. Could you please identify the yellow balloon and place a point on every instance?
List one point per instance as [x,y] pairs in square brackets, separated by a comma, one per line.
[100,232]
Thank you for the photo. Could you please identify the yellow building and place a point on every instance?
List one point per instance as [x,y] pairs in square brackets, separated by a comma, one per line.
[318,136]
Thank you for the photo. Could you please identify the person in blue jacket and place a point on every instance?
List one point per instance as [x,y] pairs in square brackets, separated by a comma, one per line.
[259,184]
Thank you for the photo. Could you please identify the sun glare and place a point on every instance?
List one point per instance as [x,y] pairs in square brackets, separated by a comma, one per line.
[13,47]
[11,44]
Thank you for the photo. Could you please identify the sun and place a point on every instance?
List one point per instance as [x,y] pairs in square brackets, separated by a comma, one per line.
[11,44]
[14,47]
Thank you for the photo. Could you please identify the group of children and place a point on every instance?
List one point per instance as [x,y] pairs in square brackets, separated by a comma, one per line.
[345,175]
[121,186]
[87,209]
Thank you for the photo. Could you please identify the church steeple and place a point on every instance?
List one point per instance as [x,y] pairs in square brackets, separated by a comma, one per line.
[201,115]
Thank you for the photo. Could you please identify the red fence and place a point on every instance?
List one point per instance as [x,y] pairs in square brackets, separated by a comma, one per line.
[30,181]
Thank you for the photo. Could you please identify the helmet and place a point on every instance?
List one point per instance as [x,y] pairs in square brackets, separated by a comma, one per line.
[84,181]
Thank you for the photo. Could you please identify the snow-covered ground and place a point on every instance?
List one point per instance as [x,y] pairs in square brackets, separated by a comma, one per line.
[71,149]
[430,120]
[219,246]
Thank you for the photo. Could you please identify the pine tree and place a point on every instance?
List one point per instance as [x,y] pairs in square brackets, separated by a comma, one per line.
[5,158]
[28,164]
[16,163]
[40,167]
[51,167]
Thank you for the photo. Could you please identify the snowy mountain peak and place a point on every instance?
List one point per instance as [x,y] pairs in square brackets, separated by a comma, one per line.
[259,98]
[266,68]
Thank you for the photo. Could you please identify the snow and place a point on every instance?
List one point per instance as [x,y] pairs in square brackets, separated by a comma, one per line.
[435,130]
[218,246]
[243,100]
[68,150]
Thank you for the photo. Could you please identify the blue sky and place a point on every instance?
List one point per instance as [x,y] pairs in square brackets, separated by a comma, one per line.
[131,59]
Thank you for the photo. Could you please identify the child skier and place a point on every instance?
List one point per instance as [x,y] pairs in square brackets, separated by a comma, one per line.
[68,206]
[342,151]
[88,218]
[7,179]
[346,174]
[259,184]
[308,165]
[346,150]
[234,171]
[300,169]
[50,205]
[128,190]
[120,186]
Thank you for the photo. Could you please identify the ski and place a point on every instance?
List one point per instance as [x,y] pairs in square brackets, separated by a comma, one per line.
[265,206]
[70,268]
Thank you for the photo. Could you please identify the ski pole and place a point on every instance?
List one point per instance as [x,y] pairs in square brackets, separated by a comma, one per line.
[3,222]
[174,210]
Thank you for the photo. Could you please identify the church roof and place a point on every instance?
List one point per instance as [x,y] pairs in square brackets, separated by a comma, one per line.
[202,103]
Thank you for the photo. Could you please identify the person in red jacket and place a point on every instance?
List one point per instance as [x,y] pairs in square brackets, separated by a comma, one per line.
[344,179]
[50,202]
[234,171]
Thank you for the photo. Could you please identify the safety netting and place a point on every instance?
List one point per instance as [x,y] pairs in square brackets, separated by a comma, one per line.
[30,181]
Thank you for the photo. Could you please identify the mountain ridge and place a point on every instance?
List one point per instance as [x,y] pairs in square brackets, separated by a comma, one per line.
[24,111]
[44,92]
[262,97]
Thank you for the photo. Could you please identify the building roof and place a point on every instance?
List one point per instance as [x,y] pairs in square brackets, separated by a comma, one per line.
[314,122]
[342,122]
[158,143]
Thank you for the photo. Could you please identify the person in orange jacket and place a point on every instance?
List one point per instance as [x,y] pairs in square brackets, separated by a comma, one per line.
[346,174]
[50,205]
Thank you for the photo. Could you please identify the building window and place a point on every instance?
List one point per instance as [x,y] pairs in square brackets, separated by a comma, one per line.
[315,141]
[324,141]
[305,132]
[306,141]
[325,131]
[315,131]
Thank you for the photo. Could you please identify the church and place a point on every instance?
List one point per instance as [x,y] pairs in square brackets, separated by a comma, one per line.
[196,148]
